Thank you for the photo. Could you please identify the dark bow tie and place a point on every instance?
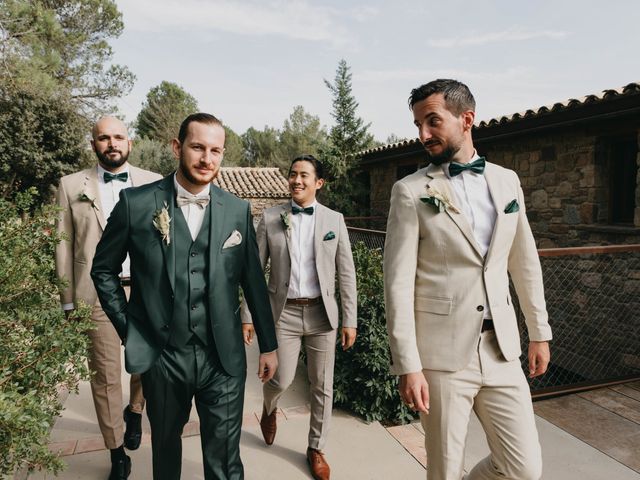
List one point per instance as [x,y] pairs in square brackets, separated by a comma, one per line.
[121,177]
[456,168]
[202,201]
[296,210]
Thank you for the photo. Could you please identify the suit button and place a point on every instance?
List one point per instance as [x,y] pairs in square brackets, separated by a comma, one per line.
[286,284]
[193,272]
[165,327]
[193,307]
[480,308]
[193,254]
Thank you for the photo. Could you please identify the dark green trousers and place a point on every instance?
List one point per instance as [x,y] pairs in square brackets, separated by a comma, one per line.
[178,376]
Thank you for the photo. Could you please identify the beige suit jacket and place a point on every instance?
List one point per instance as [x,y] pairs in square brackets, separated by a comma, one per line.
[82,222]
[333,255]
[436,279]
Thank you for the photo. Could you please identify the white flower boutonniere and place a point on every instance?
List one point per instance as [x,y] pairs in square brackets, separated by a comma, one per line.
[83,197]
[286,221]
[162,222]
[438,200]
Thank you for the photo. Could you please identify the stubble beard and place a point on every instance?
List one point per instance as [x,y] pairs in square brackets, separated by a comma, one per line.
[191,178]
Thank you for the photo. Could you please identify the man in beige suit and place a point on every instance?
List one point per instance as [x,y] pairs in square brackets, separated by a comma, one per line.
[87,198]
[455,229]
[307,244]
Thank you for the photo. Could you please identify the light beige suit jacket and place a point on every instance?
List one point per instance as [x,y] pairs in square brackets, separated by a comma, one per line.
[332,255]
[82,221]
[436,279]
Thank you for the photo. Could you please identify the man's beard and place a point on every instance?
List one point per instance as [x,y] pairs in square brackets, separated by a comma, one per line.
[112,163]
[187,174]
[443,157]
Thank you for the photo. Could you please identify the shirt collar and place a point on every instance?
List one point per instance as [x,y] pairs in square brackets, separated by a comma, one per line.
[445,166]
[180,190]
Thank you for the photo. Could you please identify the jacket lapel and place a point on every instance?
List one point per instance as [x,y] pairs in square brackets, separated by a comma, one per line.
[440,182]
[286,232]
[320,230]
[216,230]
[493,183]
[165,198]
[90,189]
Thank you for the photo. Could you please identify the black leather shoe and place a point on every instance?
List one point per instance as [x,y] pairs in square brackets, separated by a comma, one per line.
[133,432]
[120,469]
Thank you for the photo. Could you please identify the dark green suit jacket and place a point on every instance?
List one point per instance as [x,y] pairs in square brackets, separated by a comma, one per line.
[144,321]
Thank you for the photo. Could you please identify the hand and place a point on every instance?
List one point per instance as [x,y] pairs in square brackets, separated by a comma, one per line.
[348,337]
[267,366]
[414,391]
[247,333]
[539,356]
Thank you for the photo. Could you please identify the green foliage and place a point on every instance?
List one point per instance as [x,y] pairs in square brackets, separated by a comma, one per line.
[41,352]
[261,148]
[362,381]
[167,105]
[232,148]
[345,190]
[153,155]
[302,134]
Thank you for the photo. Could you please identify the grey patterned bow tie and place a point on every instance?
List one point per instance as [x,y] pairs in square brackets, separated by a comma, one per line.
[183,200]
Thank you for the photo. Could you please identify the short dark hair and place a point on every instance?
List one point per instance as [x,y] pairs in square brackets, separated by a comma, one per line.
[317,164]
[457,96]
[199,117]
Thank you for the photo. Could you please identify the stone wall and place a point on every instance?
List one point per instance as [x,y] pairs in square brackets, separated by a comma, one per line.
[258,205]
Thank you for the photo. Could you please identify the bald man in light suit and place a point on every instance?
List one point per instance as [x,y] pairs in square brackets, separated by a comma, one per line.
[86,199]
[456,229]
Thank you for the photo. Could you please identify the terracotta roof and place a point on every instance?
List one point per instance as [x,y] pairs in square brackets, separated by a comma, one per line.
[570,104]
[253,182]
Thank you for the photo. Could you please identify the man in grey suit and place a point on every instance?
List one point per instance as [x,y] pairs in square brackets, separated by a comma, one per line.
[87,199]
[307,244]
[456,229]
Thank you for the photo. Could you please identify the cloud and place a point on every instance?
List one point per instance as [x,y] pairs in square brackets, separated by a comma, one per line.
[515,34]
[383,76]
[298,19]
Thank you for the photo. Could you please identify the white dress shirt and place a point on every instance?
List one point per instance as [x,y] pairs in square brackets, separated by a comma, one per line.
[303,282]
[193,213]
[109,196]
[475,202]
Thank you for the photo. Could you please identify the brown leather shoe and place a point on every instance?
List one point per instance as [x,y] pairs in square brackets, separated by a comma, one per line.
[268,425]
[319,467]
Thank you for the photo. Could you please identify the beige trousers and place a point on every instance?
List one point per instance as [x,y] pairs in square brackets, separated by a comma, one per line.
[106,383]
[497,391]
[311,324]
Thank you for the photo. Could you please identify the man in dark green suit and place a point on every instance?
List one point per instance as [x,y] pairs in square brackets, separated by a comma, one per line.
[191,247]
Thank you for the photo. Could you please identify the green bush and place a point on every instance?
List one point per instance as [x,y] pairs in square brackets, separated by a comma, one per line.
[363,382]
[41,352]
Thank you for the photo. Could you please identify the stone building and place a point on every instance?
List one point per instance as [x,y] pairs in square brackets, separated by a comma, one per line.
[262,187]
[577,161]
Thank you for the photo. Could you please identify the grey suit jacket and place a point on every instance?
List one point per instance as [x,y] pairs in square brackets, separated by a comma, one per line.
[82,221]
[435,278]
[333,255]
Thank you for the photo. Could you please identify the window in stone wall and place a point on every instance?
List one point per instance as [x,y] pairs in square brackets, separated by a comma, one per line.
[404,170]
[623,168]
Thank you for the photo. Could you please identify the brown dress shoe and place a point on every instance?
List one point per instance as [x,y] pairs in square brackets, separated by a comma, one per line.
[319,467]
[268,425]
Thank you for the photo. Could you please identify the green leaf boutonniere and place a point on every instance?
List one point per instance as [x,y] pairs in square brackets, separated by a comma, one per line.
[83,197]
[162,222]
[438,200]
[286,221]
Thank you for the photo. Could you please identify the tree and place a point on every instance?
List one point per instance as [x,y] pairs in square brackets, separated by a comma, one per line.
[345,189]
[167,105]
[232,148]
[261,148]
[53,82]
[153,155]
[301,134]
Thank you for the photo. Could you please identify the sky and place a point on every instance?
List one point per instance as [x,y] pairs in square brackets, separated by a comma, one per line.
[250,62]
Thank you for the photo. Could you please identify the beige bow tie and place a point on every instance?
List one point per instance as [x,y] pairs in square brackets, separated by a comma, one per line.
[183,200]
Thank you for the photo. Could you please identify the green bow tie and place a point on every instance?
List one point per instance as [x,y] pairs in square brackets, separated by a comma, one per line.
[121,177]
[456,168]
[296,210]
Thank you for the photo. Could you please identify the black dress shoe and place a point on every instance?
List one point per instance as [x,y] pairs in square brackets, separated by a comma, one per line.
[120,469]
[133,432]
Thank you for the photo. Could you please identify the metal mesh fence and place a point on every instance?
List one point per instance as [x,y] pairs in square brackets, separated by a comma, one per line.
[593,301]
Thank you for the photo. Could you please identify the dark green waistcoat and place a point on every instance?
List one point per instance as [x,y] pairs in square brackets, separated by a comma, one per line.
[190,308]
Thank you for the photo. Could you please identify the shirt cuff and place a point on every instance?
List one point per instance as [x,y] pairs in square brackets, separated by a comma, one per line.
[67,306]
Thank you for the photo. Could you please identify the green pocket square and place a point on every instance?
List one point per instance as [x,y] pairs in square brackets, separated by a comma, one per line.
[512,206]
[329,236]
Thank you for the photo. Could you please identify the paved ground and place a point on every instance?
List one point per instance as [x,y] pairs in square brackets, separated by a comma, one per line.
[355,450]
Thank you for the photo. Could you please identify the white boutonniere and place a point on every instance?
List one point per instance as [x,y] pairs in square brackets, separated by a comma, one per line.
[162,222]
[83,197]
[286,221]
[438,200]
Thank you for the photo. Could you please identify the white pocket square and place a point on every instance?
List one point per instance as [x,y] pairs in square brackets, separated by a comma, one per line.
[234,239]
